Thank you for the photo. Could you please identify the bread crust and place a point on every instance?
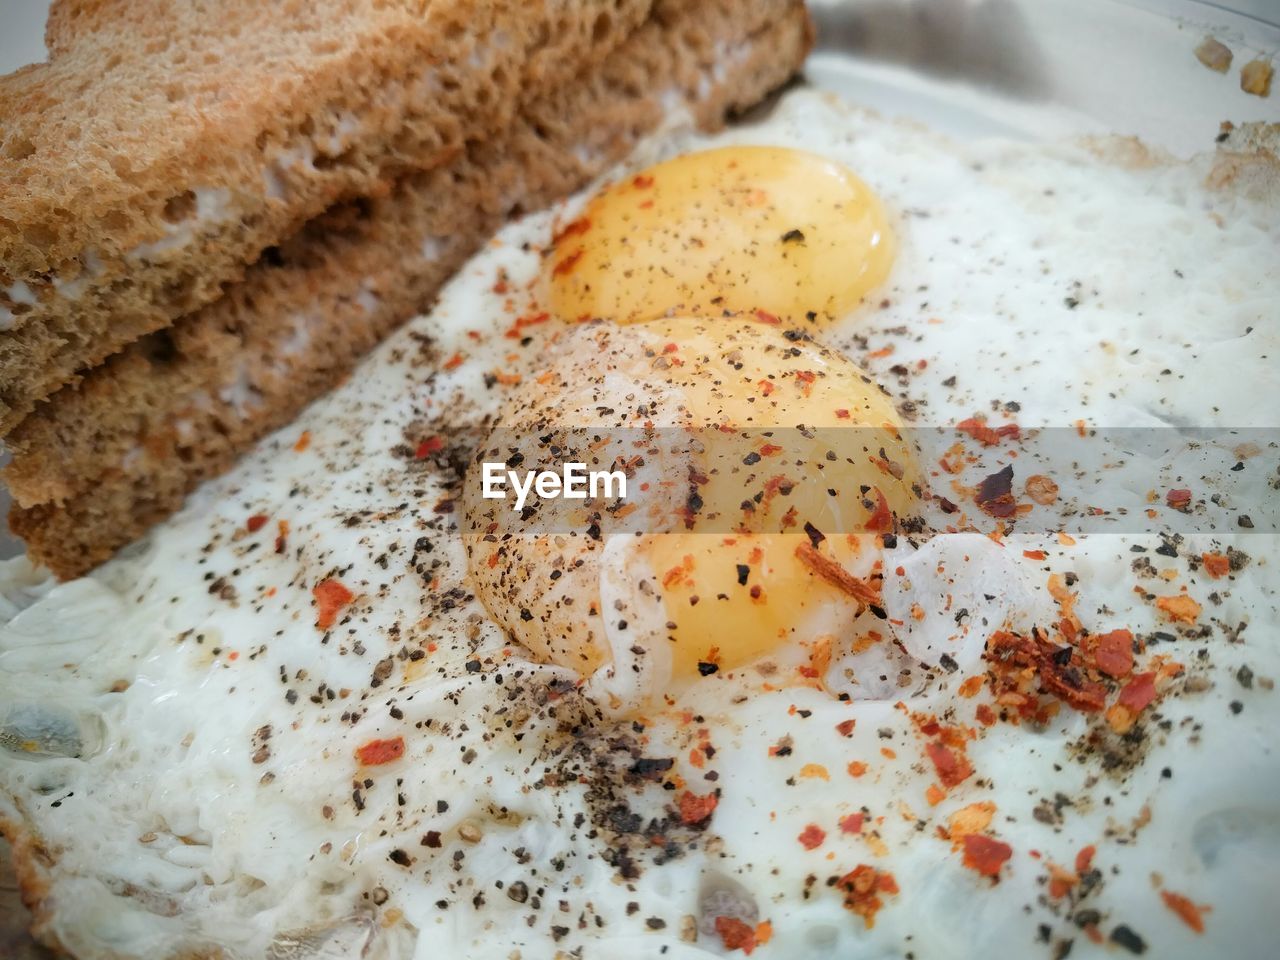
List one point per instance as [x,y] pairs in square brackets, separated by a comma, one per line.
[104,460]
[163,146]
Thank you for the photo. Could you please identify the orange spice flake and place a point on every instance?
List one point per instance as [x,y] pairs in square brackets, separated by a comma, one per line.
[697,809]
[863,887]
[812,836]
[737,935]
[985,855]
[331,596]
[977,428]
[953,768]
[1215,564]
[1179,608]
[380,751]
[1190,913]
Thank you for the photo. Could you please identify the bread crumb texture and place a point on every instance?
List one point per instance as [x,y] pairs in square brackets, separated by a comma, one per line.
[164,146]
[107,457]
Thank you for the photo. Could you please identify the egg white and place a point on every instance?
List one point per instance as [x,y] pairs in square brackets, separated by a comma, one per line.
[174,831]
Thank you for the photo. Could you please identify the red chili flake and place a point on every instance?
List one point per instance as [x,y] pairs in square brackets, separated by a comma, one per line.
[1067,683]
[453,362]
[380,751]
[567,263]
[304,441]
[881,519]
[1215,564]
[812,836]
[736,935]
[862,887]
[1138,692]
[845,727]
[985,715]
[766,387]
[579,226]
[988,436]
[1179,499]
[770,449]
[764,316]
[1084,859]
[1033,554]
[282,536]
[257,522]
[331,596]
[516,331]
[985,854]
[427,447]
[852,823]
[806,379]
[642,181]
[695,809]
[1190,913]
[995,497]
[843,414]
[1114,653]
[953,769]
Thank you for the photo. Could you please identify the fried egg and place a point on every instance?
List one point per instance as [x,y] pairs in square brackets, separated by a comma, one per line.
[998,678]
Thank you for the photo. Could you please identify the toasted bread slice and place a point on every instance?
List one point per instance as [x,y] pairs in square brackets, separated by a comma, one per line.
[104,460]
[164,145]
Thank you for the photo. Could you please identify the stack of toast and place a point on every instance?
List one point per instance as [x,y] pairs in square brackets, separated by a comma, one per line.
[209,212]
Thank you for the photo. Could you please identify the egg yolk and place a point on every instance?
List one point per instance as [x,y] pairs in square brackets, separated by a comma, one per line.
[731,600]
[800,461]
[739,229]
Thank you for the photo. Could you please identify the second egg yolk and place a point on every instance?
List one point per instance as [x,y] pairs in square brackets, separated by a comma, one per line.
[740,229]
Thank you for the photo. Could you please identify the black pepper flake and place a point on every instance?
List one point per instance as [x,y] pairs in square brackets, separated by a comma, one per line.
[431,839]
[400,858]
[793,236]
[655,923]
[744,571]
[707,669]
[651,768]
[1125,937]
[815,535]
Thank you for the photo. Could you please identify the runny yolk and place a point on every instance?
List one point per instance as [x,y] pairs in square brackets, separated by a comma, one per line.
[744,229]
[731,600]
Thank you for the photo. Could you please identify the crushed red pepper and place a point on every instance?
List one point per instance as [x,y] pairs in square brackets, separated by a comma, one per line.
[696,809]
[1189,912]
[1113,653]
[812,837]
[737,935]
[377,752]
[331,596]
[985,855]
[977,428]
[862,887]
[953,768]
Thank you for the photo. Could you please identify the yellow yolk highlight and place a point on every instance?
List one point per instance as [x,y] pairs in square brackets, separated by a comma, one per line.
[739,229]
[731,600]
